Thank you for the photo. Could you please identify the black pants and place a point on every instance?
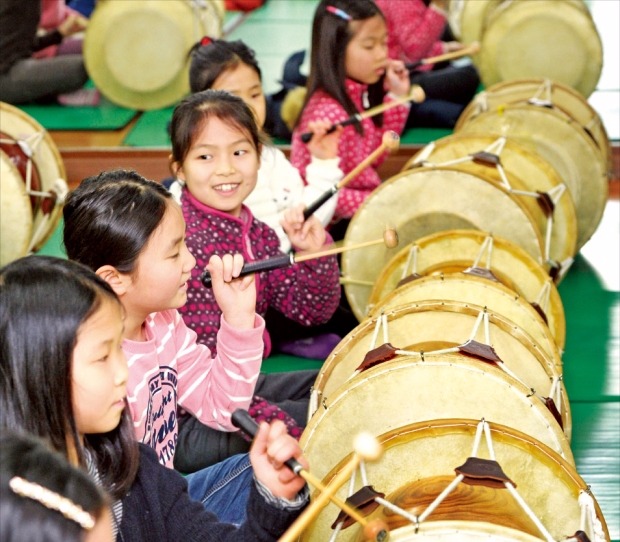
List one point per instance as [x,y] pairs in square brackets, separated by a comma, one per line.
[448,90]
[199,446]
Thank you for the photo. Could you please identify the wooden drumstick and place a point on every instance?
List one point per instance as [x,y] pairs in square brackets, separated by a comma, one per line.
[366,447]
[416,94]
[390,141]
[470,49]
[390,239]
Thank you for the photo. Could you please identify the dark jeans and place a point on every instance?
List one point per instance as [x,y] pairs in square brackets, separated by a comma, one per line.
[199,446]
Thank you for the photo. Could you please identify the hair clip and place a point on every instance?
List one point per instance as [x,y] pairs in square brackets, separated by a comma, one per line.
[52,501]
[206,40]
[338,13]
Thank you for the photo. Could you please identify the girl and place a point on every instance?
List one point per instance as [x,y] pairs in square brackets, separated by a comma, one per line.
[65,380]
[44,498]
[216,148]
[232,66]
[349,72]
[131,232]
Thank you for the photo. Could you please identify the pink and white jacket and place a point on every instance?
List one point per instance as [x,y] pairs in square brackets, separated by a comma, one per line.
[170,370]
[307,292]
[353,147]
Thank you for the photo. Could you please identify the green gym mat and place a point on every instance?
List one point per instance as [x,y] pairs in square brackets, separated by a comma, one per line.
[151,129]
[423,136]
[105,116]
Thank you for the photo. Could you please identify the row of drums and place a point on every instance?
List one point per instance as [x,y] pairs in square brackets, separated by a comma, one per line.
[456,364]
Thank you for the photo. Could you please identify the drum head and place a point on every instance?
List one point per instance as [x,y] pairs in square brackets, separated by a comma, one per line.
[546,38]
[467,18]
[547,93]
[424,201]
[21,131]
[527,175]
[408,390]
[478,291]
[458,250]
[577,160]
[549,485]
[431,326]
[15,213]
[136,51]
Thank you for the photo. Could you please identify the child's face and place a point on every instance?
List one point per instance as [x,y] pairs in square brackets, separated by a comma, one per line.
[366,54]
[164,266]
[243,81]
[221,167]
[99,371]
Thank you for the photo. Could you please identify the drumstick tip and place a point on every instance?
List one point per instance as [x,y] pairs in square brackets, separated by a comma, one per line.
[391,140]
[367,446]
[417,94]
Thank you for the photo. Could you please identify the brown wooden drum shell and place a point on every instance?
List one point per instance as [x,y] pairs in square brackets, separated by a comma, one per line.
[457,250]
[549,484]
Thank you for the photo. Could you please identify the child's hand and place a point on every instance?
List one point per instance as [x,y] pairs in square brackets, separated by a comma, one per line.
[323,145]
[304,235]
[235,296]
[273,446]
[73,24]
[397,78]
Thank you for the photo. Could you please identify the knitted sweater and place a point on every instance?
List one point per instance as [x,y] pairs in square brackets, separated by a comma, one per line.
[307,293]
[414,30]
[169,370]
[279,186]
[158,507]
[352,148]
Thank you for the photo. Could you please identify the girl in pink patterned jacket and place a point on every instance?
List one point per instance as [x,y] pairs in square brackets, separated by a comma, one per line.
[349,72]
[216,146]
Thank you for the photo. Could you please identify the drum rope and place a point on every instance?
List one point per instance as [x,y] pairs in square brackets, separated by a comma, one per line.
[487,245]
[411,265]
[590,523]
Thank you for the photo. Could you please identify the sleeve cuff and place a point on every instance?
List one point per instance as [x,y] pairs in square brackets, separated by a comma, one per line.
[300,500]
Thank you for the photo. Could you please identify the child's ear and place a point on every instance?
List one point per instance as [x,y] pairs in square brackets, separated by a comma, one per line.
[118,281]
[176,169]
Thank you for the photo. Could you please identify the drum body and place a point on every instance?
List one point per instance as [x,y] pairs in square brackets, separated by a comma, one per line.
[35,158]
[418,456]
[15,212]
[136,51]
[424,201]
[545,93]
[479,291]
[576,159]
[499,260]
[545,38]
[528,177]
[426,329]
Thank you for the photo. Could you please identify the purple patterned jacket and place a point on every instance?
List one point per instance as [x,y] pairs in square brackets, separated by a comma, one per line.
[307,292]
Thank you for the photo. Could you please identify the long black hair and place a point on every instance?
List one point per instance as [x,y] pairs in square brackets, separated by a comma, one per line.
[330,36]
[43,303]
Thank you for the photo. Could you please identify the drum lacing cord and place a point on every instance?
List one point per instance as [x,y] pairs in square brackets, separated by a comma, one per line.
[201,13]
[380,323]
[544,296]
[487,245]
[411,265]
[589,522]
[28,146]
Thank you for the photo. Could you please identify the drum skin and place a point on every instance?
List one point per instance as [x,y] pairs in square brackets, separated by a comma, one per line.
[543,93]
[576,159]
[457,251]
[475,290]
[426,451]
[432,325]
[15,212]
[412,389]
[424,201]
[545,38]
[527,174]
